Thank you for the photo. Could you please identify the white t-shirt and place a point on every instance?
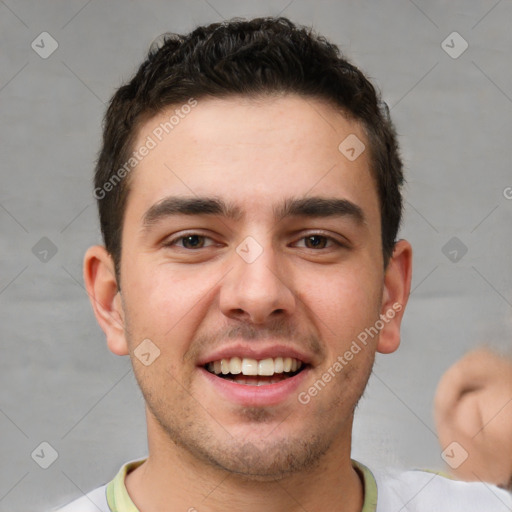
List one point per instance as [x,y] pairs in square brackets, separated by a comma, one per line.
[390,491]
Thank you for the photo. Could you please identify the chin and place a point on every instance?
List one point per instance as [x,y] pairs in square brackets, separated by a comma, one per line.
[266,461]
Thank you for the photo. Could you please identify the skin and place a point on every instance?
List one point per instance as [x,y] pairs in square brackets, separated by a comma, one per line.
[473,407]
[205,450]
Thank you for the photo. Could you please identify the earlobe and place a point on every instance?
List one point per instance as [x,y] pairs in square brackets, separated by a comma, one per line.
[100,282]
[397,286]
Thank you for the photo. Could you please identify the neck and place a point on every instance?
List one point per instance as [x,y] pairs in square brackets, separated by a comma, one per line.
[172,479]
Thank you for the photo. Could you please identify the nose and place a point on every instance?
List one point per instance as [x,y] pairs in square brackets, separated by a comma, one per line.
[257,291]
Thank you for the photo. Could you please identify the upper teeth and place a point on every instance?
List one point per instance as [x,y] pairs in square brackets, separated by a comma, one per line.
[248,366]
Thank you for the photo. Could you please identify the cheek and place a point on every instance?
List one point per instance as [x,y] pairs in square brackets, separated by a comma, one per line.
[346,301]
[162,301]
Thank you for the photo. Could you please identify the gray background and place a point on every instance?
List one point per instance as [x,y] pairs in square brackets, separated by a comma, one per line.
[61,385]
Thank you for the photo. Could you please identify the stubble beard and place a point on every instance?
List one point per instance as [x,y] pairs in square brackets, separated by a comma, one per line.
[196,432]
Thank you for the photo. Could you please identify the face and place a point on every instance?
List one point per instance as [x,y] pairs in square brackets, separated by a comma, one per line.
[252,261]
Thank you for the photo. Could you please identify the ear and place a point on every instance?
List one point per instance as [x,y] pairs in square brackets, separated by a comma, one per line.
[101,285]
[397,286]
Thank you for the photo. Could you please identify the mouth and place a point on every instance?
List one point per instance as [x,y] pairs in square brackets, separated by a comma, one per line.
[255,372]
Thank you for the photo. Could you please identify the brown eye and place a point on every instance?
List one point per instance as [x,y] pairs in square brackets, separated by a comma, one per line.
[319,241]
[315,242]
[193,241]
[190,241]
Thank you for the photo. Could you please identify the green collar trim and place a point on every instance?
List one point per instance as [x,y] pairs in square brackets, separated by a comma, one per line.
[369,487]
[119,500]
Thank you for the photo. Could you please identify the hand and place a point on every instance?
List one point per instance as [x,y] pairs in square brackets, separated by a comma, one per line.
[473,406]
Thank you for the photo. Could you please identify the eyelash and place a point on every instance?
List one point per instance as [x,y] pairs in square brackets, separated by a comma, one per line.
[173,241]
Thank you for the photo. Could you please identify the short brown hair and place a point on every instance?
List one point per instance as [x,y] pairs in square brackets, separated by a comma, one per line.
[252,58]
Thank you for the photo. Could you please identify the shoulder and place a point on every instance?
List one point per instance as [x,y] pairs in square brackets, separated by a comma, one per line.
[94,501]
[424,491]
[114,492]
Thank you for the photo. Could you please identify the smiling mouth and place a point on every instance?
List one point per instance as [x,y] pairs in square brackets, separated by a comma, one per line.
[254,372]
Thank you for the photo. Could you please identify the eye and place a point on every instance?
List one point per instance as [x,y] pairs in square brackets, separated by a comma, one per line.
[317,241]
[190,241]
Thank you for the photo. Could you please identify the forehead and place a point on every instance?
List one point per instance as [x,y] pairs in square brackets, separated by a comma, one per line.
[254,152]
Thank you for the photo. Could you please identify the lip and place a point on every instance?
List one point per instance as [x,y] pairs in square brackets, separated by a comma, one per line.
[255,396]
[250,351]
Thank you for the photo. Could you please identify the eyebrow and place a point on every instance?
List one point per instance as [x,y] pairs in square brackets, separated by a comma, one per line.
[294,207]
[320,207]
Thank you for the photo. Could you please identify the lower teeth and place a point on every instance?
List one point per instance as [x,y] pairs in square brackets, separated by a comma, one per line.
[257,380]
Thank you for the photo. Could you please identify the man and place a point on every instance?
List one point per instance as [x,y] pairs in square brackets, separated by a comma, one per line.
[249,197]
